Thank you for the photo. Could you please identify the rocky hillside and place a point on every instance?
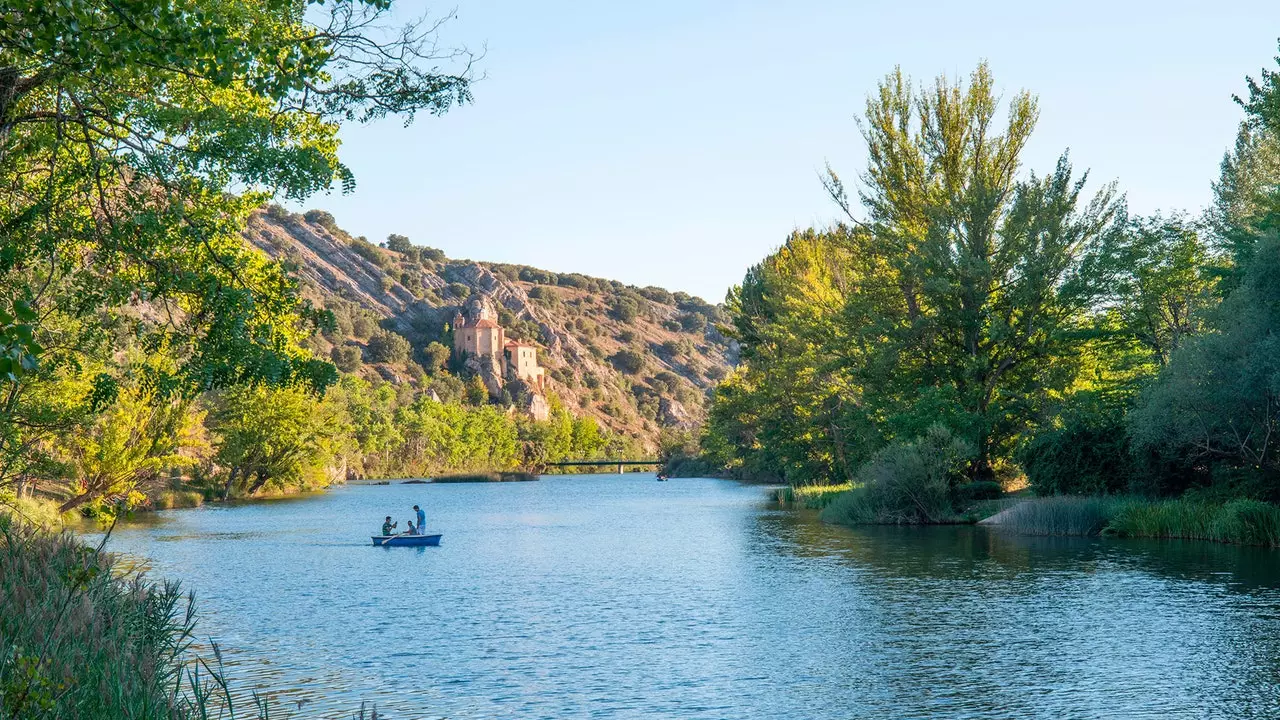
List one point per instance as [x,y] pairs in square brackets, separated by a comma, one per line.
[637,359]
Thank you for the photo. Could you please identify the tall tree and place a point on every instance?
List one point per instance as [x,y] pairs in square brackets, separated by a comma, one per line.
[135,137]
[985,264]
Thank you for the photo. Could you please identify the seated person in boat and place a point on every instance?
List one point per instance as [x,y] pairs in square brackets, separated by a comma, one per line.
[388,526]
[412,530]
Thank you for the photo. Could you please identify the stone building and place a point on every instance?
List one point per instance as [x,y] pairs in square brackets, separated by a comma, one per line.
[481,339]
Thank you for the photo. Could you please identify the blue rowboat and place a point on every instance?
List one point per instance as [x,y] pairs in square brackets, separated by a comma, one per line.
[406,540]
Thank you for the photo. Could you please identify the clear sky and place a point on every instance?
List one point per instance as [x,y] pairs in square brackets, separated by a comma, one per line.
[677,143]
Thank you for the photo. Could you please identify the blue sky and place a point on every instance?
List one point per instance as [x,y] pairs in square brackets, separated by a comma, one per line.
[677,143]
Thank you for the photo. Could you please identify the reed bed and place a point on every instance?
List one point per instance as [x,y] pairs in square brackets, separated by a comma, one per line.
[1059,515]
[1245,522]
[1242,521]
[84,638]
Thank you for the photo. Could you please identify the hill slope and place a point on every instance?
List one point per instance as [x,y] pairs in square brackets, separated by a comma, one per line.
[637,359]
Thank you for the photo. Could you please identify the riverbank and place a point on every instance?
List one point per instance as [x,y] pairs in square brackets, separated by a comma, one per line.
[82,638]
[1239,521]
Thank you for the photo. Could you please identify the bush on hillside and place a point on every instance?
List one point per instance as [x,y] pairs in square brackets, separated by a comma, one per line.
[624,309]
[399,243]
[362,324]
[658,295]
[627,361]
[346,357]
[388,347]
[434,357]
[693,322]
[459,290]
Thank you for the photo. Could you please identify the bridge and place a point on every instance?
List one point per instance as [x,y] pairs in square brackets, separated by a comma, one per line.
[603,463]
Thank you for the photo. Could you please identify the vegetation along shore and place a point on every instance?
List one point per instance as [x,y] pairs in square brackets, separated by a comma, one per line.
[975,338]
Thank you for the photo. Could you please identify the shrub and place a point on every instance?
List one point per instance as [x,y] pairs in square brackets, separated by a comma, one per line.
[626,336]
[388,347]
[372,253]
[431,255]
[717,373]
[658,295]
[1089,454]
[573,280]
[694,322]
[545,295]
[671,325]
[434,356]
[459,290]
[346,357]
[971,492]
[321,218]
[538,277]
[906,483]
[363,326]
[624,309]
[399,243]
[627,361]
[277,212]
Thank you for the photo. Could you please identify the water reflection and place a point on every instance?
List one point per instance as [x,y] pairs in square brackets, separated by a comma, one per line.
[621,597]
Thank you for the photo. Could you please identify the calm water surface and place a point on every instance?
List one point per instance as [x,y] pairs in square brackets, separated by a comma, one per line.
[619,597]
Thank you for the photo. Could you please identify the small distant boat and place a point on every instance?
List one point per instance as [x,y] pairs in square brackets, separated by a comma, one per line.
[406,540]
[662,477]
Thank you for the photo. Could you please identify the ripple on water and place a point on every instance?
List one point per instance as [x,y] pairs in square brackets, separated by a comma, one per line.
[607,596]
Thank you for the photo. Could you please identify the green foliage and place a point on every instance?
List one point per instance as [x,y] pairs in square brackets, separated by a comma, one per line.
[1216,400]
[434,357]
[1086,452]
[624,309]
[693,322]
[459,291]
[137,140]
[346,358]
[627,361]
[400,244]
[275,438]
[906,483]
[545,296]
[388,347]
[1242,521]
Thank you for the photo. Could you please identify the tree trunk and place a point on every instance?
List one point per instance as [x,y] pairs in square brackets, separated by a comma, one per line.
[231,481]
[263,477]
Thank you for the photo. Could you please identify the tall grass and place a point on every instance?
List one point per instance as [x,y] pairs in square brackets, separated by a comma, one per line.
[814,497]
[77,640]
[1242,521]
[1061,515]
[1246,522]
[83,639]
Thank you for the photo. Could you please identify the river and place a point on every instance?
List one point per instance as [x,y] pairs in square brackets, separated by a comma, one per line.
[619,597]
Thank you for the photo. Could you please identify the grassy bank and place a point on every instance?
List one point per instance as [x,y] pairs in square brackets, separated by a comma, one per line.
[1242,521]
[813,497]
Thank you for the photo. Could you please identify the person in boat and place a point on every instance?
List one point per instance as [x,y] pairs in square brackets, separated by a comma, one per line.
[412,530]
[422,518]
[388,526]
